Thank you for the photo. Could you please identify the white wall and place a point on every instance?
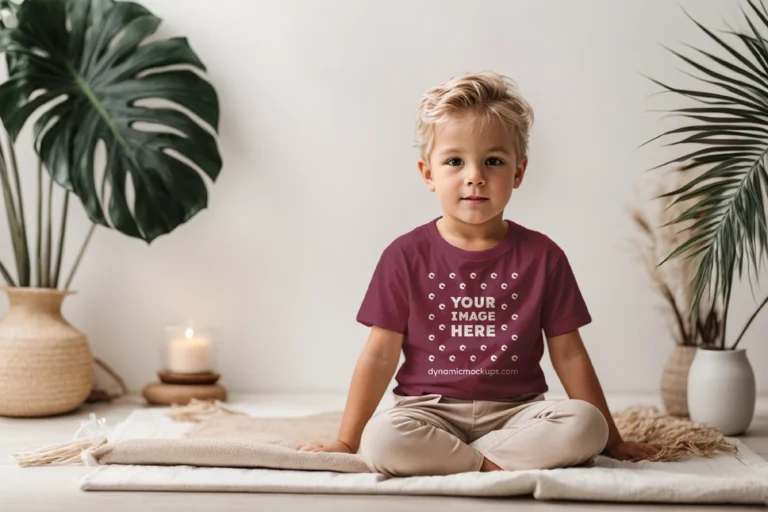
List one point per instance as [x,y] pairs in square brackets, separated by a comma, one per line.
[318,99]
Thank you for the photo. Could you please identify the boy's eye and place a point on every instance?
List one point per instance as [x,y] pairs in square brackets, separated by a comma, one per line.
[493,161]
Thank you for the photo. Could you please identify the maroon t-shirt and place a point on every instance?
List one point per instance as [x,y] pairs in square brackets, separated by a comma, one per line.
[473,320]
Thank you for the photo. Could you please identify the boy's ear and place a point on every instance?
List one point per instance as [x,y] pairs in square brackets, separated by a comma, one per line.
[426,175]
[520,172]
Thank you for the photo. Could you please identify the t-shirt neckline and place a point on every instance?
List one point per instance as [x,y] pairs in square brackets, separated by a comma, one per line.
[485,254]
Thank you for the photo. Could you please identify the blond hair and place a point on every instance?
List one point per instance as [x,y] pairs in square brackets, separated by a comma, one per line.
[489,94]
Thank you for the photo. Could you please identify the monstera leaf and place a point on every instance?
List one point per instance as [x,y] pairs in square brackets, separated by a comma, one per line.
[85,68]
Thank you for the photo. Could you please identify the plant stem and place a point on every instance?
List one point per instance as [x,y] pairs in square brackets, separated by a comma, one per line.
[6,275]
[48,236]
[13,221]
[725,314]
[85,242]
[39,246]
[749,322]
[80,256]
[22,221]
[62,232]
[678,317]
[712,316]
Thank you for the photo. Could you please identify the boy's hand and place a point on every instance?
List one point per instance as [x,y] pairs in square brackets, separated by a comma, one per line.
[630,450]
[334,446]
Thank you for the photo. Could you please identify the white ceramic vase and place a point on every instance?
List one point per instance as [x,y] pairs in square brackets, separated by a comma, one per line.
[721,390]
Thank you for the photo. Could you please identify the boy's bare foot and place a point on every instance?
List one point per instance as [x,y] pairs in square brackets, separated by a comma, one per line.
[489,466]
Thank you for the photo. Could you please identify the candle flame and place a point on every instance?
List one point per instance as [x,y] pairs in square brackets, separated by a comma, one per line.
[189,332]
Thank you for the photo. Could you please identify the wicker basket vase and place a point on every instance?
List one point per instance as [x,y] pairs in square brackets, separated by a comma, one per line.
[46,366]
[674,380]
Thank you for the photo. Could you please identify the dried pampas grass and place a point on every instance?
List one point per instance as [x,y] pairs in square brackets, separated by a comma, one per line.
[656,240]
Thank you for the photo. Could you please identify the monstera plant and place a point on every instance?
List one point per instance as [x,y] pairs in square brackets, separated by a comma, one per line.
[121,119]
[87,74]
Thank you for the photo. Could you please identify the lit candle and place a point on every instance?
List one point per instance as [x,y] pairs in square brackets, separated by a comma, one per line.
[190,354]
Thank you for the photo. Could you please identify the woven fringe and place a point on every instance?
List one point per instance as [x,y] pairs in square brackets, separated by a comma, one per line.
[58,454]
[677,438]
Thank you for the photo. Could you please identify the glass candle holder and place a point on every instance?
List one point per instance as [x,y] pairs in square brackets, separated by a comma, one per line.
[189,349]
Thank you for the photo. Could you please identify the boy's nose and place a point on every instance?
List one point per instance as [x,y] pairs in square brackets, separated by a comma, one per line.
[474,178]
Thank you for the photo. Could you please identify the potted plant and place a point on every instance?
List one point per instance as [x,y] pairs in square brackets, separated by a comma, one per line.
[85,69]
[725,128]
[655,239]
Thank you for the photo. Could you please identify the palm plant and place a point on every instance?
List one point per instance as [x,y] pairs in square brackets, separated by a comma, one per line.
[727,129]
[86,70]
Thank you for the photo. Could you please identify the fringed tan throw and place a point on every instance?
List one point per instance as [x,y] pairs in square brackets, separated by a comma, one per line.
[225,437]
[678,438]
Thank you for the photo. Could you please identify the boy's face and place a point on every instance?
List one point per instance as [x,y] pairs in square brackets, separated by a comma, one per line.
[472,170]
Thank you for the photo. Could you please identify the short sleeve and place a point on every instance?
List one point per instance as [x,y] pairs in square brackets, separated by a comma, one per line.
[564,309]
[386,301]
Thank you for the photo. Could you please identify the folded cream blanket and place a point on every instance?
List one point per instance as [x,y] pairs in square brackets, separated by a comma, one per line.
[223,437]
[239,441]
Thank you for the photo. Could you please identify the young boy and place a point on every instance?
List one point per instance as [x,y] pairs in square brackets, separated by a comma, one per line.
[466,297]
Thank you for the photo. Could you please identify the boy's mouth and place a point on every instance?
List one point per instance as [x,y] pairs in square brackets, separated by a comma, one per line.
[475,199]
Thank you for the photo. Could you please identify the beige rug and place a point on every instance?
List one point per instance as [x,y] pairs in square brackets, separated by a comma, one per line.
[226,452]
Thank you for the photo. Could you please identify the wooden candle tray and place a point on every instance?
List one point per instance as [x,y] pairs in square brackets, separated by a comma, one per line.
[207,378]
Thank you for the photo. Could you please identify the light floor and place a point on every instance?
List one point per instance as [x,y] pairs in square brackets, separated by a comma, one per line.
[55,488]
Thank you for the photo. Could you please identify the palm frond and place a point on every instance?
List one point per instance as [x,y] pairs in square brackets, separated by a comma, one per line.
[727,139]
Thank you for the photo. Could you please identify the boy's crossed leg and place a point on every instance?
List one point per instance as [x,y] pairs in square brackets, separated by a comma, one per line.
[422,436]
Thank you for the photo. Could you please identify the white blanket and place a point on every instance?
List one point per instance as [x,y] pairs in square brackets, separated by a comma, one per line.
[742,478]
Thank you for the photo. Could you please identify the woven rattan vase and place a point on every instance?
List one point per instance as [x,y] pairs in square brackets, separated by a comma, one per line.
[46,366]
[674,380]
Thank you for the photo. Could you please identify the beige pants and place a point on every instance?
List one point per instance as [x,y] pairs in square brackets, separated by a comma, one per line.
[434,435]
